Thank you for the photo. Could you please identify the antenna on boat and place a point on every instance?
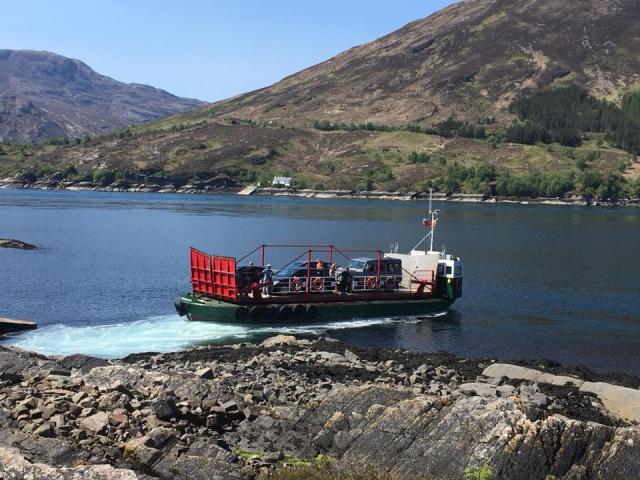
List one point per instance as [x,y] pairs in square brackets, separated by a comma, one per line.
[433,218]
[429,222]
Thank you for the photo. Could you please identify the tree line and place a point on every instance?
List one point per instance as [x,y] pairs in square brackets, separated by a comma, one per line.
[448,128]
[561,114]
[487,180]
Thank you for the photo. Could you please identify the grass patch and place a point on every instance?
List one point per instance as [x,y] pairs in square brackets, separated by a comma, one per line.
[479,472]
[325,468]
[489,21]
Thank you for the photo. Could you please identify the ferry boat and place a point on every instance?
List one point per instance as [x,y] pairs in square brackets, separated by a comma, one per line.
[322,282]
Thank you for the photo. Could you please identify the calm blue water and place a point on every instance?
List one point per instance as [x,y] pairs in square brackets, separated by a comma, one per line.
[552,282]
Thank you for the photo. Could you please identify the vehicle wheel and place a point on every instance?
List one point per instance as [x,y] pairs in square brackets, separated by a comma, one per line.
[241,314]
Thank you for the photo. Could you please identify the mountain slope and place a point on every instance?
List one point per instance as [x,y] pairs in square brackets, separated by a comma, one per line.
[45,95]
[469,61]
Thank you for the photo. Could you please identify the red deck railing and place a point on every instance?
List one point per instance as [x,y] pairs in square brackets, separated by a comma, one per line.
[217,277]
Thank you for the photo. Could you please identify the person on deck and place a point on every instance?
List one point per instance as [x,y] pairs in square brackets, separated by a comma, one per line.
[267,280]
[332,270]
[344,281]
[319,264]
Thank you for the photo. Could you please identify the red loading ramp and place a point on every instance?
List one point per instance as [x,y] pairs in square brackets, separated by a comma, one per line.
[213,276]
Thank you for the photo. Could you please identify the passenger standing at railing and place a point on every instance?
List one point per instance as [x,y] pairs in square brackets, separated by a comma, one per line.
[332,270]
[319,265]
[344,281]
[267,280]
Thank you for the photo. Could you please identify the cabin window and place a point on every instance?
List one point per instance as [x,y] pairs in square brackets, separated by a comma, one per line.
[449,270]
[458,270]
[441,269]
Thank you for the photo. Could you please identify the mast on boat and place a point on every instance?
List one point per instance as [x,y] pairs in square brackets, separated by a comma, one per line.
[430,222]
[431,213]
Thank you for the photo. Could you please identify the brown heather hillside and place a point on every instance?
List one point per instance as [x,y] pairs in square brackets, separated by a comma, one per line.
[468,61]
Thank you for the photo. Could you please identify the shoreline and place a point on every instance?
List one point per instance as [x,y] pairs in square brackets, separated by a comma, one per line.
[318,194]
[244,411]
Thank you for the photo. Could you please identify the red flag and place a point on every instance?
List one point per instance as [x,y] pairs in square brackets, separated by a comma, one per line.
[427,222]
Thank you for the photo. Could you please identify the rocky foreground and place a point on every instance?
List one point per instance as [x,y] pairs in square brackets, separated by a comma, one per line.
[240,412]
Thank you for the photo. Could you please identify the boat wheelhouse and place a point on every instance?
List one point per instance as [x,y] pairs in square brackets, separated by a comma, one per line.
[321,282]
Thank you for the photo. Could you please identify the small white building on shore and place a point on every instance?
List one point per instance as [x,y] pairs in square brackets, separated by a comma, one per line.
[282,182]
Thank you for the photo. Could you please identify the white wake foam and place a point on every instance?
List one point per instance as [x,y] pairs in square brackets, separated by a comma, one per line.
[166,334]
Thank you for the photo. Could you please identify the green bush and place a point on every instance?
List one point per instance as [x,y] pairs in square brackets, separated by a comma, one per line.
[104,176]
[57,141]
[68,171]
[635,188]
[325,468]
[581,163]
[535,184]
[329,167]
[484,472]
[415,157]
[44,171]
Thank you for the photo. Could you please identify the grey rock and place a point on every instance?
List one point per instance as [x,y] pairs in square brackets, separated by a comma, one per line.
[85,363]
[14,466]
[205,373]
[95,423]
[165,408]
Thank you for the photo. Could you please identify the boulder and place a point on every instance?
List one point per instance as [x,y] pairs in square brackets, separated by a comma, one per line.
[165,408]
[20,245]
[95,423]
[84,363]
[499,370]
[623,402]
[205,373]
[14,466]
[283,340]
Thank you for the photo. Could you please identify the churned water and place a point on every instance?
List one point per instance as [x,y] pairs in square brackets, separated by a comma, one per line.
[540,282]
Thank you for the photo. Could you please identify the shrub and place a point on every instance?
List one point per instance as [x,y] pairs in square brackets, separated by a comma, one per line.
[484,472]
[324,468]
[68,171]
[104,176]
[581,163]
[415,157]
[329,167]
[635,188]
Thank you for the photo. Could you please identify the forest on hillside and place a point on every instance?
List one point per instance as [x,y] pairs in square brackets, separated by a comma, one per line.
[562,115]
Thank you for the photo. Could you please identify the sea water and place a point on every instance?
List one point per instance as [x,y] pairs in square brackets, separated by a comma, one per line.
[539,281]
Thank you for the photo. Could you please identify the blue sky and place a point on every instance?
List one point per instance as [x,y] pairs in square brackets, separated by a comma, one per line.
[203,49]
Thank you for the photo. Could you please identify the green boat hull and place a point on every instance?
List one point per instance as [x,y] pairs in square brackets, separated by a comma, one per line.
[206,309]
